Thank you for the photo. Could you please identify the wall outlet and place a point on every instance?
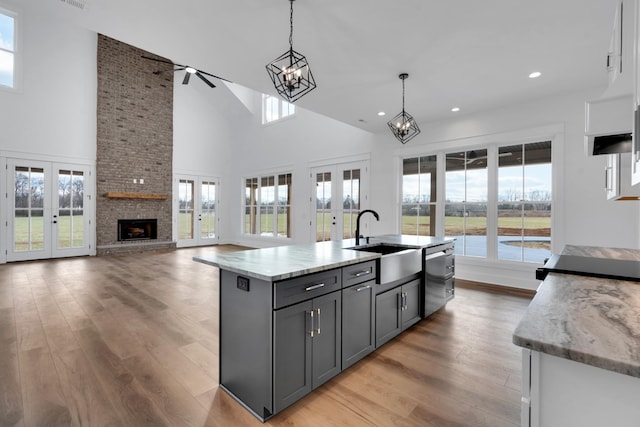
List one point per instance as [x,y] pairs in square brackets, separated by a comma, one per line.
[243,283]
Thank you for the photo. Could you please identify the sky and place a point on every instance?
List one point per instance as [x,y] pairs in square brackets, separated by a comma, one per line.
[510,181]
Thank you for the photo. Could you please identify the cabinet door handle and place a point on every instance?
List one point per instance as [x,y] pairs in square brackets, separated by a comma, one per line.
[311,323]
[318,328]
[318,286]
[362,288]
[362,273]
[404,301]
[607,187]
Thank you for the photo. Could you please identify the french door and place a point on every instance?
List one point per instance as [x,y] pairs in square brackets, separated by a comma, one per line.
[338,194]
[197,219]
[48,210]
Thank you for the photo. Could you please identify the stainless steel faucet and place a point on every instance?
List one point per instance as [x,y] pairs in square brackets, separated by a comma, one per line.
[358,223]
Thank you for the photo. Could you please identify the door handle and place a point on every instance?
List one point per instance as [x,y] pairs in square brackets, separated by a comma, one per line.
[362,288]
[318,328]
[311,321]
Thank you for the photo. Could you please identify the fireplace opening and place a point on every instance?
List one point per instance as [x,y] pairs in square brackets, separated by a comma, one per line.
[137,229]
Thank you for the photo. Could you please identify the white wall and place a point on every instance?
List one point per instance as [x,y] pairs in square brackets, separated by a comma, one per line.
[581,213]
[206,125]
[54,112]
[588,218]
[290,145]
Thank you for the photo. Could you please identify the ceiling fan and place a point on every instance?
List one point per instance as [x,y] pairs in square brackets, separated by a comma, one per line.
[189,71]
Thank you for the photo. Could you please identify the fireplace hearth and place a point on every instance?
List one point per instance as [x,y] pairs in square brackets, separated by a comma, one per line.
[137,229]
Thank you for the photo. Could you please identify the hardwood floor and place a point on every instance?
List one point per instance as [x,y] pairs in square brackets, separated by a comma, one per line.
[133,341]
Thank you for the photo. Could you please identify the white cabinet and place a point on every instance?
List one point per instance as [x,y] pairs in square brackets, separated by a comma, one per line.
[635,150]
[561,392]
[611,176]
[617,178]
[620,57]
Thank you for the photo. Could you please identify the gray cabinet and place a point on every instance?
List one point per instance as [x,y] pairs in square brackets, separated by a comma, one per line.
[358,322]
[396,310]
[307,347]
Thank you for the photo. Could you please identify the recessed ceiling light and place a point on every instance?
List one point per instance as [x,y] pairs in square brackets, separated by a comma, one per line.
[535,75]
[381,113]
[455,109]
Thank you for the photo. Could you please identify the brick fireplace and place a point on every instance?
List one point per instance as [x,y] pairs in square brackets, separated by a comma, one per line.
[134,148]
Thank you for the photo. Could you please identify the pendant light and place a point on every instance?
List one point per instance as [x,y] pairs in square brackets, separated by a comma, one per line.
[290,72]
[403,126]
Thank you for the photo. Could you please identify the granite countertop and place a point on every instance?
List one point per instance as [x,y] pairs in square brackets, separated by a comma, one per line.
[285,262]
[586,319]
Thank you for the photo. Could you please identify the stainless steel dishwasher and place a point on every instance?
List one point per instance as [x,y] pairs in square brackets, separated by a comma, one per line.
[439,272]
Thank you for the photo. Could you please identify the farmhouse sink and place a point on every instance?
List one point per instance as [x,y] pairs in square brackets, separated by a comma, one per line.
[397,261]
[381,248]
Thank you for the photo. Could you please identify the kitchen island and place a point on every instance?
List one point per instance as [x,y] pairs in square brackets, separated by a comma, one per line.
[581,348]
[293,317]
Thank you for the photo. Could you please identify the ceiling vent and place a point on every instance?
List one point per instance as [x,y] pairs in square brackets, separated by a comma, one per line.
[80,4]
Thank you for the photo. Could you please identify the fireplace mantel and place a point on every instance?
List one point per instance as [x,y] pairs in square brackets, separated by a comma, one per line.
[125,195]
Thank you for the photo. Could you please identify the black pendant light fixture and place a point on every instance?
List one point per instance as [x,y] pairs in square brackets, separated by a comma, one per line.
[290,72]
[403,126]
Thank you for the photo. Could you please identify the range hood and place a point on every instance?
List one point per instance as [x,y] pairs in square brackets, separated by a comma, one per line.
[608,125]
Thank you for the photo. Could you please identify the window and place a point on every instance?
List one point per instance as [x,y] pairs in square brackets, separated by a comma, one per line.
[497,200]
[275,109]
[524,202]
[465,209]
[267,206]
[419,187]
[7,49]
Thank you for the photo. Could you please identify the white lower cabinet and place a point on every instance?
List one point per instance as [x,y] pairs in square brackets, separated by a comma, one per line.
[558,392]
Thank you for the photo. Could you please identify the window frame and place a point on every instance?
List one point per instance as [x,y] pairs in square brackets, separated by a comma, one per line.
[256,208]
[281,108]
[16,52]
[492,143]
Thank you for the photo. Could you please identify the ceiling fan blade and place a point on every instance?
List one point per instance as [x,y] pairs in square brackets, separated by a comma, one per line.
[186,78]
[156,59]
[170,70]
[204,80]
[214,76]
[164,61]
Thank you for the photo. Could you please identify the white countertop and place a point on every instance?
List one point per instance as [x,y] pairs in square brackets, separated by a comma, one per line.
[586,319]
[285,262]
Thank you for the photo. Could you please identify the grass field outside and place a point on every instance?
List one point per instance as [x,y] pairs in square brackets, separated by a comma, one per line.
[207,225]
[29,233]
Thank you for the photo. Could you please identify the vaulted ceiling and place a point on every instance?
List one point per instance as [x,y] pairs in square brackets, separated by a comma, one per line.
[475,55]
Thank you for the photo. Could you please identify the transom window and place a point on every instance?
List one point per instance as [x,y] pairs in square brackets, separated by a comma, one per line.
[7,48]
[274,109]
[267,205]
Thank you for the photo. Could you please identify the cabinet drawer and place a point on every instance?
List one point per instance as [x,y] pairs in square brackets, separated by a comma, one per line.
[306,287]
[358,273]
